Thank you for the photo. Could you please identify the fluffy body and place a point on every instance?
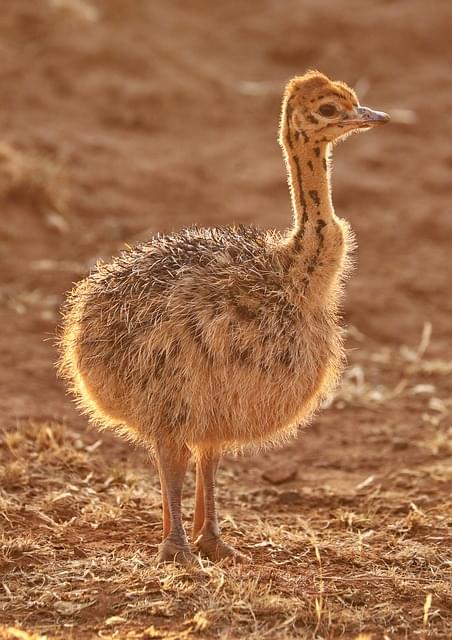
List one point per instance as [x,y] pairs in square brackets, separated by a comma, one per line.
[208,337]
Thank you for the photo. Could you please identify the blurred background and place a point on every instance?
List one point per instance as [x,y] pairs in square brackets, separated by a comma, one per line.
[122,119]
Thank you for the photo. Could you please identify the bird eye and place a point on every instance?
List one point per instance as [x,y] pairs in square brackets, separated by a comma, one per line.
[328,110]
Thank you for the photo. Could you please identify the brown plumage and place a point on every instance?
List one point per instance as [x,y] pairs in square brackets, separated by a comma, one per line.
[213,339]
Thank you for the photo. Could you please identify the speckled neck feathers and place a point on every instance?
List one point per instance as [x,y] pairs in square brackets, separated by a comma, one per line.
[316,240]
[306,158]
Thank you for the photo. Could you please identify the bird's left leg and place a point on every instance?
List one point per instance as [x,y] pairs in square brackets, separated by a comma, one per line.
[206,532]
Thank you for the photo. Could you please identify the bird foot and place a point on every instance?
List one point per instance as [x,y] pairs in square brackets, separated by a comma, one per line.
[169,551]
[215,549]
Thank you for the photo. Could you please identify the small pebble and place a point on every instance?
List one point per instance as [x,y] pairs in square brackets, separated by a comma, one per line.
[290,497]
[280,474]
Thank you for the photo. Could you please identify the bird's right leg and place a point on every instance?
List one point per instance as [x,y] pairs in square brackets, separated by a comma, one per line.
[200,510]
[172,466]
[165,508]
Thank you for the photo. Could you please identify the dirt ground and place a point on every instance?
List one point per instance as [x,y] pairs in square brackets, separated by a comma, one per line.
[122,119]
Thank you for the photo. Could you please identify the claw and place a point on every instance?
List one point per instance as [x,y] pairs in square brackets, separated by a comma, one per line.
[215,549]
[168,551]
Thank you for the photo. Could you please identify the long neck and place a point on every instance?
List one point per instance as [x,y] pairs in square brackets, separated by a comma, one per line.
[306,158]
[316,241]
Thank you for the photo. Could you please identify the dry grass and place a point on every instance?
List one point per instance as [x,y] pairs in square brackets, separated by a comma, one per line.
[80,525]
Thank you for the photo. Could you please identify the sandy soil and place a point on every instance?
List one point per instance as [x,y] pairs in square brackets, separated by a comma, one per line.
[118,122]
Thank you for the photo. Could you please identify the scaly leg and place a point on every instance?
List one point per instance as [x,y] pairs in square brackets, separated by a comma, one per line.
[206,532]
[200,513]
[172,464]
[165,509]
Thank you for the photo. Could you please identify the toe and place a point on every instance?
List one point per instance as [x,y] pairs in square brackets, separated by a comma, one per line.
[215,549]
[226,552]
[170,552]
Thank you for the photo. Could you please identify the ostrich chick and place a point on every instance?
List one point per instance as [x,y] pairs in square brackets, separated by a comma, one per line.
[214,339]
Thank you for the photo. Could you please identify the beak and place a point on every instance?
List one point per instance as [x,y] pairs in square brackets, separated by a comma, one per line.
[366,117]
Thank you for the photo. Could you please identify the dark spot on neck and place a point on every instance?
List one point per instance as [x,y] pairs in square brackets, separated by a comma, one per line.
[317,151]
[315,196]
[310,165]
[324,164]
[300,192]
[288,114]
[305,136]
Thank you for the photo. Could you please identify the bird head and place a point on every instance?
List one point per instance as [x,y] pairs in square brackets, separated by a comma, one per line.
[327,110]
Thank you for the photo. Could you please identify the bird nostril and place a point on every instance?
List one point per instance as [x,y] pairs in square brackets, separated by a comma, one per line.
[369,115]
